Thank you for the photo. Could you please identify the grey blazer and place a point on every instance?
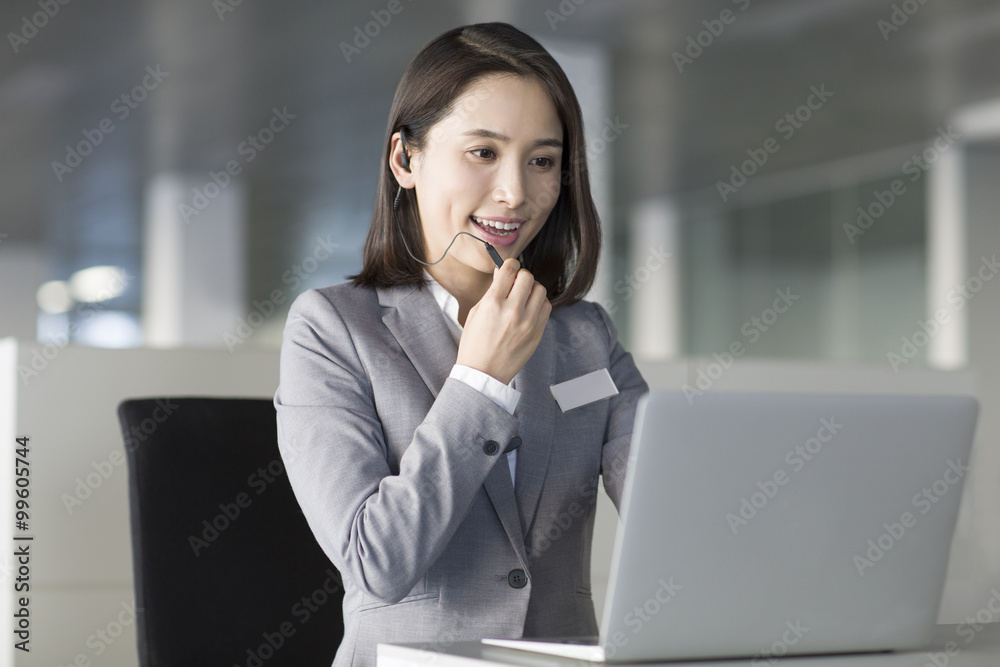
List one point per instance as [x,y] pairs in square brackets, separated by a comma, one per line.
[401,474]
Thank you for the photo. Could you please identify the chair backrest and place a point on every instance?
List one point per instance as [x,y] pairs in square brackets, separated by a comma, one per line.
[227,571]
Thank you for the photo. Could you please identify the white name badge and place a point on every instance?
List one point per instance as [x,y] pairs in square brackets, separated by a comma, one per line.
[584,389]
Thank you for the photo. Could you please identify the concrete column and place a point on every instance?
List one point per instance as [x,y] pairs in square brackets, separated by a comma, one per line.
[977,537]
[964,240]
[194,251]
[652,286]
[946,265]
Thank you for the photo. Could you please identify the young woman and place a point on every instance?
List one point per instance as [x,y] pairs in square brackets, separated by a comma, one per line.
[415,416]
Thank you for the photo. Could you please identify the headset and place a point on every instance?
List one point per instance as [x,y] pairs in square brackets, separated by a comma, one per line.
[405,160]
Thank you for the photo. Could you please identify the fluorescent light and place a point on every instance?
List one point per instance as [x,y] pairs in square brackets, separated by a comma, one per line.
[54,297]
[98,283]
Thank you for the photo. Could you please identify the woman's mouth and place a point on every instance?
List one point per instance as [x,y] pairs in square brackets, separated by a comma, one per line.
[496,232]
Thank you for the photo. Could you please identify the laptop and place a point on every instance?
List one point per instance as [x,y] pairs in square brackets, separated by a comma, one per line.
[763,524]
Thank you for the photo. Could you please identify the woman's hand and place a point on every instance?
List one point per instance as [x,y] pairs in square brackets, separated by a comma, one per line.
[502,330]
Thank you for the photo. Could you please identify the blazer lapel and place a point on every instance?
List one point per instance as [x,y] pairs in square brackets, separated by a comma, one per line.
[536,415]
[415,319]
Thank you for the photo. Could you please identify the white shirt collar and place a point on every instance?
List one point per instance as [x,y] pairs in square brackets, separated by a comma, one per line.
[448,305]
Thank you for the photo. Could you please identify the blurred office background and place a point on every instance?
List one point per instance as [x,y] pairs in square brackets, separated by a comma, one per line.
[803,182]
[680,97]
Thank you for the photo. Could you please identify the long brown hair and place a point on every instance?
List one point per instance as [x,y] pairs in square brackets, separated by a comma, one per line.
[563,256]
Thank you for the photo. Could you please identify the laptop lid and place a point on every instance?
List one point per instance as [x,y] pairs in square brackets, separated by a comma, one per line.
[762,524]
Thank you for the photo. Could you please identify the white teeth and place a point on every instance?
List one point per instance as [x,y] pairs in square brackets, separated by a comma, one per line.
[497,225]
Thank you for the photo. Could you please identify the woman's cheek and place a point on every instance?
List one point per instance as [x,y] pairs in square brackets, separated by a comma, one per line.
[546,193]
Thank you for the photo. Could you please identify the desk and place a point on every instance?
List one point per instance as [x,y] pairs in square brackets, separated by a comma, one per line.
[982,651]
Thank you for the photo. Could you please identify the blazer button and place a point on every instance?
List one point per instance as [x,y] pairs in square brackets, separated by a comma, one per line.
[514,443]
[491,447]
[517,578]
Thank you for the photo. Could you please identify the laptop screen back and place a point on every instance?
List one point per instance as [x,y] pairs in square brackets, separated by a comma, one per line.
[761,524]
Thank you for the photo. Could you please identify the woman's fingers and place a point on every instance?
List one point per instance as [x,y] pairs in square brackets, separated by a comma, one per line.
[502,330]
[504,277]
[512,283]
[537,299]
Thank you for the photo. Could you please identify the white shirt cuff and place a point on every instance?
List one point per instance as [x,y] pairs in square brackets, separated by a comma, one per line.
[503,395]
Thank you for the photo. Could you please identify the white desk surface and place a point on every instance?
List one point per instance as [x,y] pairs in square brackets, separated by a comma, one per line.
[982,651]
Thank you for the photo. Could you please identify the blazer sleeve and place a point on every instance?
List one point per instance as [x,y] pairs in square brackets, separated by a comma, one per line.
[618,436]
[383,531]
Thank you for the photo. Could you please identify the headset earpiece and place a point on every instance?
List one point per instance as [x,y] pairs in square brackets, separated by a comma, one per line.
[405,157]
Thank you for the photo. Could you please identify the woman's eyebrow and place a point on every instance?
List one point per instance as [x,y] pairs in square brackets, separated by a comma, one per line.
[490,134]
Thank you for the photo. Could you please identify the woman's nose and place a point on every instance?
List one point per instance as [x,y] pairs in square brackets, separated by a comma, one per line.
[510,188]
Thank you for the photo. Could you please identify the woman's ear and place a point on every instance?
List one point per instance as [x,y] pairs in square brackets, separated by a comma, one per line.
[401,167]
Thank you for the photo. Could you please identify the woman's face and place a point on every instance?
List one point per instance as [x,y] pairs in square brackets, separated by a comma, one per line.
[490,168]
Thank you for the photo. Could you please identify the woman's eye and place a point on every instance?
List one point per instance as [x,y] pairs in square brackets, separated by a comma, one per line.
[484,153]
[543,162]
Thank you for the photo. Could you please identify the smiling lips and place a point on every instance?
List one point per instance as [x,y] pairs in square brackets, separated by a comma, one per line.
[498,231]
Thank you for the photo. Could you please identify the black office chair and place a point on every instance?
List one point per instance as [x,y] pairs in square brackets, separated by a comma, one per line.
[225,565]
